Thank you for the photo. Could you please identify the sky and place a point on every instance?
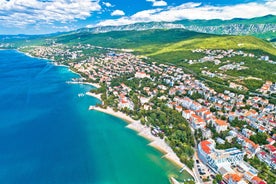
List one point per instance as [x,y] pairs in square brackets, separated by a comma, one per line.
[49,16]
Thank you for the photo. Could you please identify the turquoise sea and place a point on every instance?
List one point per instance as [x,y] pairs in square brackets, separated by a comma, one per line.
[48,135]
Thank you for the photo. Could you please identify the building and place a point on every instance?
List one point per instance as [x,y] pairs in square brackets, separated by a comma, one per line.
[197,122]
[233,179]
[141,75]
[187,114]
[220,125]
[257,180]
[124,102]
[218,158]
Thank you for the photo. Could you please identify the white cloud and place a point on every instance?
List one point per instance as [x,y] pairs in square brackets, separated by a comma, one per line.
[158,2]
[25,12]
[117,13]
[107,4]
[197,11]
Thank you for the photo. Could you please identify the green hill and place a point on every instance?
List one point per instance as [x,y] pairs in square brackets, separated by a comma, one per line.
[214,42]
[130,39]
[171,43]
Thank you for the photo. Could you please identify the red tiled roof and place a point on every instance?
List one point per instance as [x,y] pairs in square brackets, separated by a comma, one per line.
[271,148]
[220,122]
[258,180]
[262,128]
[205,146]
[235,177]
[270,139]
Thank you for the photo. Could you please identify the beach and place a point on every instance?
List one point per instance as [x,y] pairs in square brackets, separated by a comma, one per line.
[86,83]
[145,132]
[98,96]
[94,147]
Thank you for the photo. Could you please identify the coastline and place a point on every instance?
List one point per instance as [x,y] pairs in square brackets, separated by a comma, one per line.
[95,85]
[98,96]
[142,130]
[145,132]
[29,55]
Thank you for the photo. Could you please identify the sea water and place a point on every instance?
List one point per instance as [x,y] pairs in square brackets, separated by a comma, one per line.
[48,135]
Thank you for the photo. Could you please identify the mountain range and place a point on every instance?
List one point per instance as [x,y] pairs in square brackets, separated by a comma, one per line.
[262,27]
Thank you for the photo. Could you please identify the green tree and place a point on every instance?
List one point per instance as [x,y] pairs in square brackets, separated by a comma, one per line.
[218,178]
[259,138]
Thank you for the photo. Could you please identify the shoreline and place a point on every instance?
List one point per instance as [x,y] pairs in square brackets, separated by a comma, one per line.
[145,132]
[31,56]
[142,130]
[95,85]
[98,96]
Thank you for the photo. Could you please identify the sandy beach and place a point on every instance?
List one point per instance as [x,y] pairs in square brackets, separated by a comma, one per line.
[87,83]
[145,132]
[118,114]
[98,96]
[96,85]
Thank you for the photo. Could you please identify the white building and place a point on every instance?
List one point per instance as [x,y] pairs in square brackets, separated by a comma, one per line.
[141,75]
[217,158]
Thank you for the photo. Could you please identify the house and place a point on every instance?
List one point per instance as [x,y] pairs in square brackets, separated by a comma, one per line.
[144,100]
[263,156]
[220,125]
[233,178]
[247,133]
[125,87]
[172,91]
[197,122]
[124,102]
[250,146]
[195,106]
[271,149]
[232,116]
[187,114]
[141,75]
[248,175]
[270,141]
[262,129]
[206,133]
[171,104]
[187,102]
[257,180]
[178,108]
[220,140]
[207,115]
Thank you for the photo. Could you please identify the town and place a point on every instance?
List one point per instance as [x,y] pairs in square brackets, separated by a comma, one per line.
[234,134]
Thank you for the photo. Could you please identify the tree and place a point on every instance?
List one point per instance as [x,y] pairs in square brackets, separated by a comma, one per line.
[218,178]
[213,109]
[259,138]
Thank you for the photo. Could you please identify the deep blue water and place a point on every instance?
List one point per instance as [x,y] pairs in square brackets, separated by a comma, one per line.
[47,134]
[41,140]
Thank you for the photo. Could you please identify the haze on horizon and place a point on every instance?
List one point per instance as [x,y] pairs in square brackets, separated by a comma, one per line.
[49,16]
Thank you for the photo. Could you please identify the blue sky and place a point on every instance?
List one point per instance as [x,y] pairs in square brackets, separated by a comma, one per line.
[47,16]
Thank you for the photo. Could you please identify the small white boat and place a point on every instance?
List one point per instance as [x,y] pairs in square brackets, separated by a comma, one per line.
[80,95]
